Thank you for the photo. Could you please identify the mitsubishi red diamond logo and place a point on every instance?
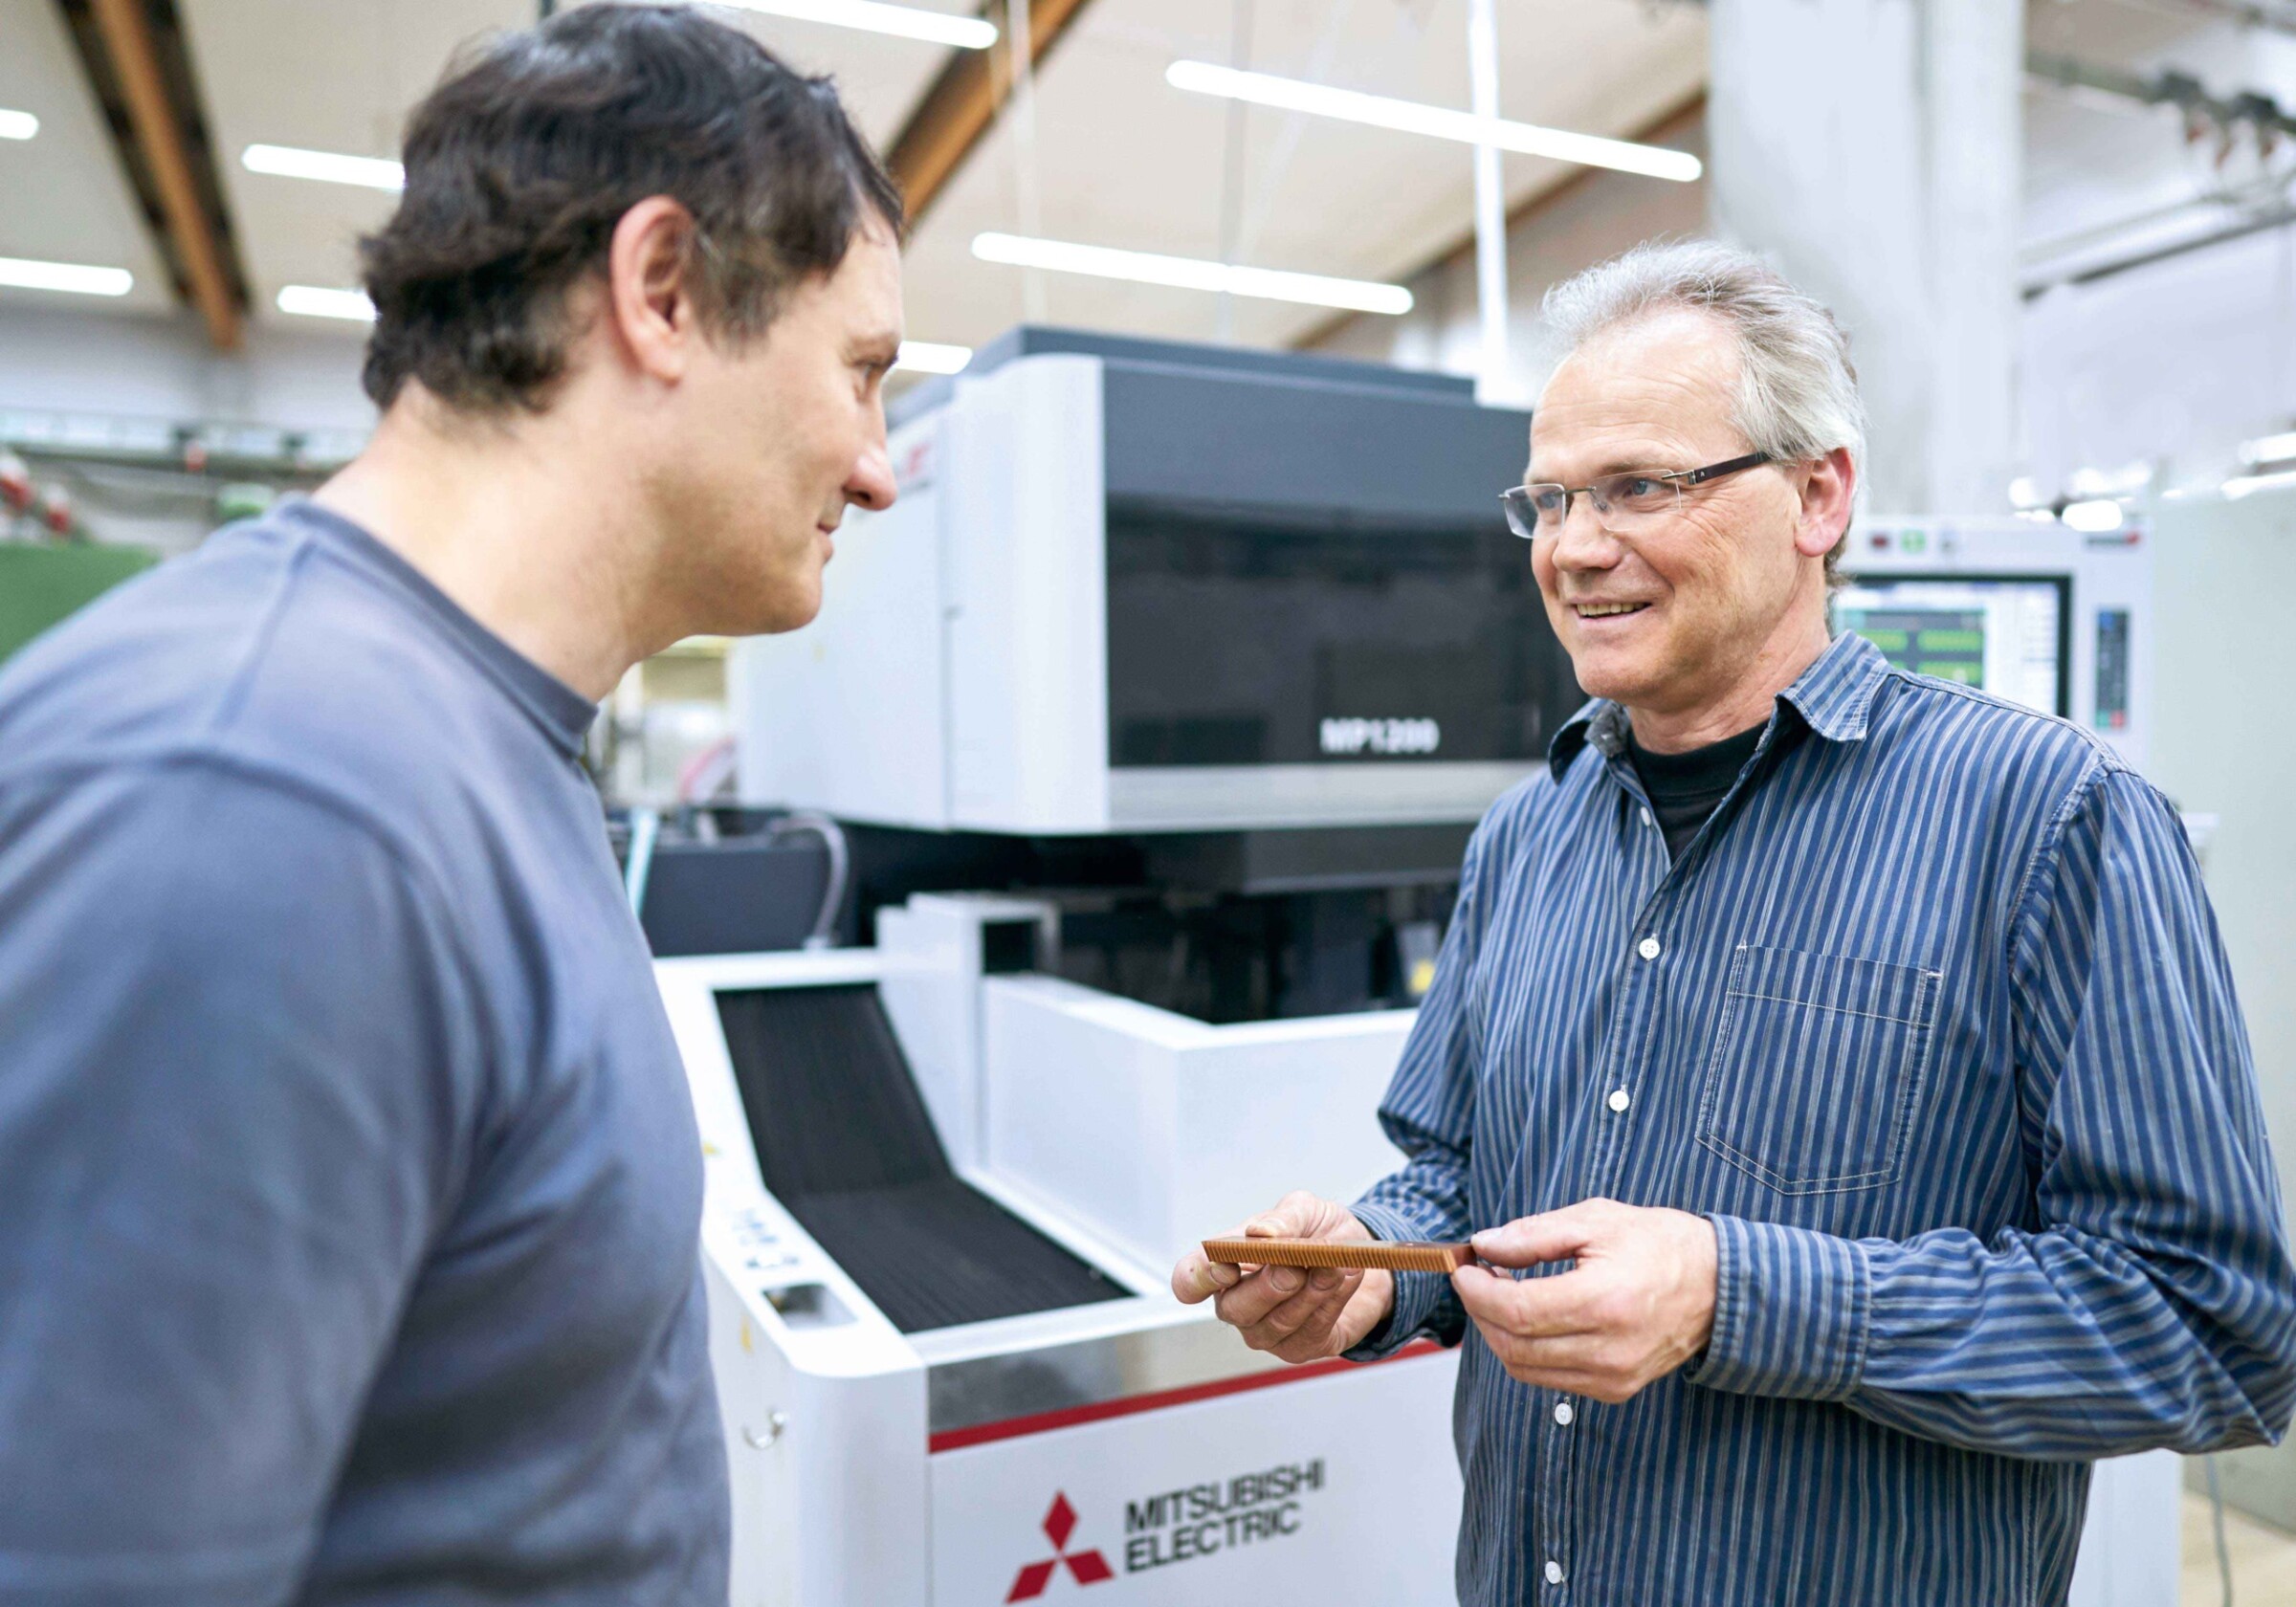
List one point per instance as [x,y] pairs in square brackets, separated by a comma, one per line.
[1086,1568]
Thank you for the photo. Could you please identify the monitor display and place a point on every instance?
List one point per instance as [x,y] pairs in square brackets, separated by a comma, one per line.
[2006,634]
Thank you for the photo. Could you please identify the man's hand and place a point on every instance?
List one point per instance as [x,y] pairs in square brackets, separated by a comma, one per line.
[1297,1313]
[1638,1304]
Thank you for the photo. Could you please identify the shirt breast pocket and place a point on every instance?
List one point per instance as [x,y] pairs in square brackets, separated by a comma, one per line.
[1816,1068]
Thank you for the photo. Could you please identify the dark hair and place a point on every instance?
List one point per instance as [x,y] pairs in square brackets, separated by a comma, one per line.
[522,161]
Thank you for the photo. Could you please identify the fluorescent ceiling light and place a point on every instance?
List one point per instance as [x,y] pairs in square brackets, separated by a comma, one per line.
[1410,117]
[287,162]
[17,125]
[2236,488]
[2268,449]
[870,16]
[79,280]
[2097,516]
[1188,272]
[927,357]
[318,301]
[2125,481]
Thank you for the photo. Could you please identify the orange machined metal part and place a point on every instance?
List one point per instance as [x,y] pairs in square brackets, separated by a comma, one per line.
[1384,1255]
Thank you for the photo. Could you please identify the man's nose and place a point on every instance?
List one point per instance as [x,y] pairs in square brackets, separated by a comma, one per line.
[1582,542]
[871,485]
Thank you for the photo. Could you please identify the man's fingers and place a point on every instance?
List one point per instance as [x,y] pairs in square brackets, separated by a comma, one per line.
[1298,1215]
[1311,1339]
[1259,1293]
[1198,1278]
[1270,1317]
[1531,1241]
[1294,1329]
[1542,1307]
[1584,1355]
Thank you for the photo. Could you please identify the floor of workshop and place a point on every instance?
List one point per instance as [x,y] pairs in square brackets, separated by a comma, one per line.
[2263,1559]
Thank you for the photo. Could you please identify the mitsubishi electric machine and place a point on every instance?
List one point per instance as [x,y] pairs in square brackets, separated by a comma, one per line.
[1156,715]
[1137,587]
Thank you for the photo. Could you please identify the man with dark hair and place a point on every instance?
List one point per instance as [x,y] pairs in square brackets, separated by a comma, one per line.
[350,1188]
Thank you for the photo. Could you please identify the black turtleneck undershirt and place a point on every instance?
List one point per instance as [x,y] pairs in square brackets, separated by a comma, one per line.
[1686,787]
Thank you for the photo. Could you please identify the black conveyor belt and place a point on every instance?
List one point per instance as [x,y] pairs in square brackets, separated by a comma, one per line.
[844,1142]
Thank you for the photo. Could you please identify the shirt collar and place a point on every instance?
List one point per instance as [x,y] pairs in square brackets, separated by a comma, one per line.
[1834,697]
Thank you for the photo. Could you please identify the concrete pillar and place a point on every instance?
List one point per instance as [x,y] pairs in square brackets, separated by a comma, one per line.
[1872,149]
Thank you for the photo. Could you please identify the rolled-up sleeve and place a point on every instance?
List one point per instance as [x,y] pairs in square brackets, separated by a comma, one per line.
[2152,1302]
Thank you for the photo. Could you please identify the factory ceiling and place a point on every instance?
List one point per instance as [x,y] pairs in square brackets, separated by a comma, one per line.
[1119,157]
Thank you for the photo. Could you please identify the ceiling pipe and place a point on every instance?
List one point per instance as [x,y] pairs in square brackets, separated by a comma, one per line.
[1490,203]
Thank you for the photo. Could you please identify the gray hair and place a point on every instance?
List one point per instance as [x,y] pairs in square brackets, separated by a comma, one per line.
[1798,393]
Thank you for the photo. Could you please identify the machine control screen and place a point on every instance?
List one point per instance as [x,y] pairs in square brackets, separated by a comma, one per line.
[2001,633]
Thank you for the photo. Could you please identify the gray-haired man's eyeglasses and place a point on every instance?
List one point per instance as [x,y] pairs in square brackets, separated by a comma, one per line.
[1628,502]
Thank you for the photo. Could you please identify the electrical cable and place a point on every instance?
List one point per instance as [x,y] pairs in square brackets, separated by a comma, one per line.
[1021,47]
[2215,1503]
[645,830]
[824,935]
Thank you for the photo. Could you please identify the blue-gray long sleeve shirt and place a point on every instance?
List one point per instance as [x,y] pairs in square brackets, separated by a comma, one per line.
[1932,1022]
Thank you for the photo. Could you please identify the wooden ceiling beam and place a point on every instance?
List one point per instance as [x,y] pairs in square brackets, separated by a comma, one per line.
[960,106]
[142,76]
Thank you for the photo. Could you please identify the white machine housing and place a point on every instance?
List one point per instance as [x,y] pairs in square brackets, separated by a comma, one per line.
[874,1468]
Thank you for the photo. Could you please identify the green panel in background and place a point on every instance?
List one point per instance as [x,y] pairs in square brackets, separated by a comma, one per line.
[40,585]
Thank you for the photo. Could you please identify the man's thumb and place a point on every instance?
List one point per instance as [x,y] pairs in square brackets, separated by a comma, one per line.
[1529,1240]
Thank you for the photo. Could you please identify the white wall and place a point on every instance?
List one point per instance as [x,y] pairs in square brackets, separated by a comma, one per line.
[2180,362]
[2224,666]
[57,359]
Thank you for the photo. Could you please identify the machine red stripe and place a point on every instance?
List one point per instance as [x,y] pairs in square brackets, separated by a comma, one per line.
[1125,1406]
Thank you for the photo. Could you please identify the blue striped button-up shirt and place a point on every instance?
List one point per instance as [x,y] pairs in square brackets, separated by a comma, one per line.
[1932,1023]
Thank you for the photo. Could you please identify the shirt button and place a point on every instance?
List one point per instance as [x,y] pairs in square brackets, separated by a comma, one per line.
[1647,948]
[1554,1572]
[1563,1413]
[1646,820]
[1620,1099]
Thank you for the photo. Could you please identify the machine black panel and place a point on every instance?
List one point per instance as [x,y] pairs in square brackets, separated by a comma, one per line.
[1286,550]
[1234,636]
[939,1253]
[743,895]
[844,1142]
[1287,440]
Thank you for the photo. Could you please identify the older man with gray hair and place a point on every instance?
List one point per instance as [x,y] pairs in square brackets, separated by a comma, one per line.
[1841,1066]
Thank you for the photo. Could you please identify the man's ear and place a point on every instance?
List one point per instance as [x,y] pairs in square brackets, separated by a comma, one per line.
[650,307]
[1828,495]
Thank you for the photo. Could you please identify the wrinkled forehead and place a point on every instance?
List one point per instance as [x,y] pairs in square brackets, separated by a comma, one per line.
[1639,396]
